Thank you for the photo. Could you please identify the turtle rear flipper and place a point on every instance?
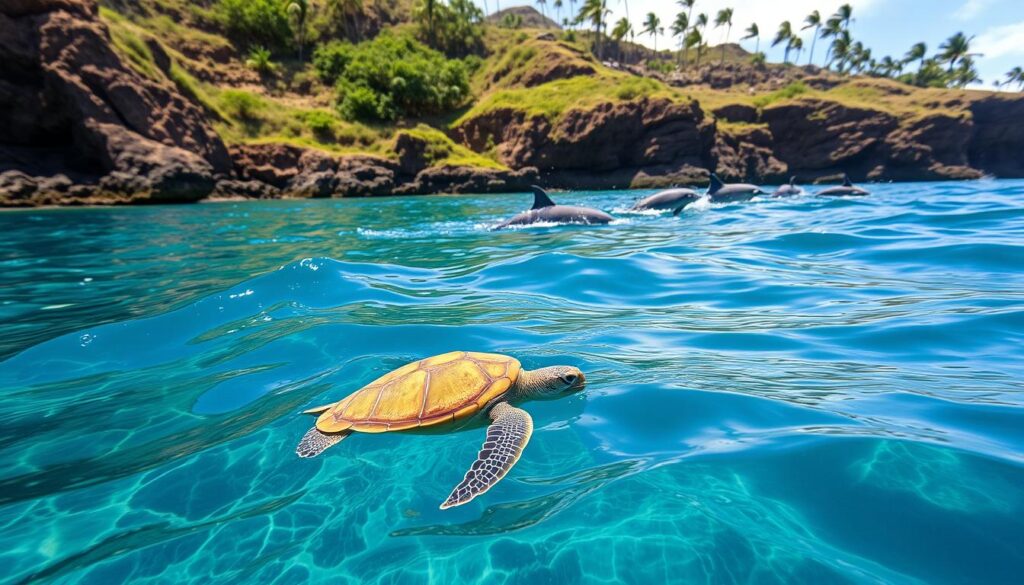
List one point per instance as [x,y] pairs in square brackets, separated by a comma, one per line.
[315,442]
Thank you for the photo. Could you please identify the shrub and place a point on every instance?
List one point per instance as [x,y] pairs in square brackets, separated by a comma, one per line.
[792,90]
[257,22]
[392,76]
[321,124]
[259,61]
[330,60]
[240,105]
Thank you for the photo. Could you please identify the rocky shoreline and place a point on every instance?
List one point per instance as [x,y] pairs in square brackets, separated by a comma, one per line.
[79,126]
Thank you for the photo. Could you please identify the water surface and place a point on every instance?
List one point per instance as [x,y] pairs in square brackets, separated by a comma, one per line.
[799,391]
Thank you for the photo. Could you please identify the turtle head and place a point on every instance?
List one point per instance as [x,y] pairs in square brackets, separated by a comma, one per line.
[551,382]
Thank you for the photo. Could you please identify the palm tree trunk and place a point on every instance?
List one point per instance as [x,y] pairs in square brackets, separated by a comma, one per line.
[727,31]
[810,58]
[757,44]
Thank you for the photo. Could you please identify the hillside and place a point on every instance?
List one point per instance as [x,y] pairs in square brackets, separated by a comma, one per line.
[158,100]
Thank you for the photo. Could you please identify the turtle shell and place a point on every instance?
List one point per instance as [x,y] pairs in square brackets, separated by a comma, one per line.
[432,391]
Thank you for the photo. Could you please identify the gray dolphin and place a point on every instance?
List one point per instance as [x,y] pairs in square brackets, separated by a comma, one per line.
[545,210]
[789,189]
[668,199]
[722,193]
[847,188]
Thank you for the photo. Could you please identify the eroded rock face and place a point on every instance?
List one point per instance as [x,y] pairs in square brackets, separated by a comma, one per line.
[997,144]
[622,137]
[63,89]
[816,136]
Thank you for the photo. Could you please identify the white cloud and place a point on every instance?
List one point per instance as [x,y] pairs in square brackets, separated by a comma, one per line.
[1001,41]
[970,9]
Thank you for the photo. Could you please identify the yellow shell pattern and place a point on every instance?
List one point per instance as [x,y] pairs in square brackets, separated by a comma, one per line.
[432,391]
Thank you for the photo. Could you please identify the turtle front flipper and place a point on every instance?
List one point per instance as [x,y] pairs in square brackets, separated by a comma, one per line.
[506,438]
[315,442]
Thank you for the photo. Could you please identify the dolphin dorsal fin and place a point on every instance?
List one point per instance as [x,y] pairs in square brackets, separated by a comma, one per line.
[540,198]
[846,181]
[792,181]
[715,185]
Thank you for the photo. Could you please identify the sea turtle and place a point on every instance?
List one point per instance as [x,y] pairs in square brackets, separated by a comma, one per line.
[445,392]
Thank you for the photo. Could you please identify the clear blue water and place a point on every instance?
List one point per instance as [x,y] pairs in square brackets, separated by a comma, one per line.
[802,391]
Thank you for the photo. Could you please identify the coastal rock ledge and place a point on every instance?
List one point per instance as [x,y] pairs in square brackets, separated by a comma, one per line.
[81,125]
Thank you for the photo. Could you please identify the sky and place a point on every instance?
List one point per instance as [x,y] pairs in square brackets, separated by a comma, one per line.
[888,27]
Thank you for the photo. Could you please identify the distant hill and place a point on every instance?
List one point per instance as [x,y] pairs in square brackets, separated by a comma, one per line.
[531,18]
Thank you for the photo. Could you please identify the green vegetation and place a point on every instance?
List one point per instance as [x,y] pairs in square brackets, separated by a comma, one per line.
[256,22]
[552,99]
[248,117]
[259,61]
[790,91]
[441,150]
[392,76]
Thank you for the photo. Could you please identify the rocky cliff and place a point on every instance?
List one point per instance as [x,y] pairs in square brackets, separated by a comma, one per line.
[82,124]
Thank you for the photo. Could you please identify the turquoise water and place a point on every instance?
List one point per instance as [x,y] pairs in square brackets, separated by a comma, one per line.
[795,391]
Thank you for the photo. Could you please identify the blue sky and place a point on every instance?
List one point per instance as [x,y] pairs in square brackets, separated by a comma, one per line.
[887,27]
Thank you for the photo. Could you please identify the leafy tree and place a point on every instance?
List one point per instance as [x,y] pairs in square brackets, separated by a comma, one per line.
[262,23]
[813,20]
[390,77]
[724,18]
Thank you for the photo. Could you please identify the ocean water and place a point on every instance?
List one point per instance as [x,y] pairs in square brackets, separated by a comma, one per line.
[783,391]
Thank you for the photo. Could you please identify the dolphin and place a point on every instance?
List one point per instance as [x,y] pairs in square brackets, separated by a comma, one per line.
[788,190]
[847,188]
[722,193]
[545,210]
[668,199]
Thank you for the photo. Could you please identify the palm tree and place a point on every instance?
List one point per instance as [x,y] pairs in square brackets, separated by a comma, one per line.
[724,17]
[795,44]
[595,11]
[1015,75]
[955,48]
[679,26]
[694,39]
[845,15]
[841,49]
[784,34]
[651,28]
[918,51]
[572,11]
[542,3]
[298,10]
[965,73]
[558,10]
[754,33]
[813,20]
[833,26]
[621,29]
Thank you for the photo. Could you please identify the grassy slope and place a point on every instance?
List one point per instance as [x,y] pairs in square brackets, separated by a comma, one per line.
[291,107]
